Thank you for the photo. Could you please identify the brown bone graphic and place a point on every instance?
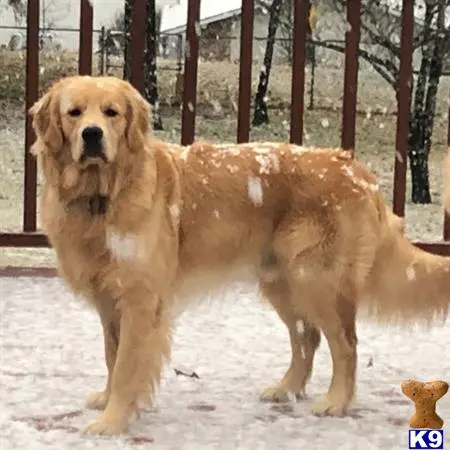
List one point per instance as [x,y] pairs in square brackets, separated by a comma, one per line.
[425,396]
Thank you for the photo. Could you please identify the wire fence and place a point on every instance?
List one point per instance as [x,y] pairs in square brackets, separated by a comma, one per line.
[289,77]
[322,66]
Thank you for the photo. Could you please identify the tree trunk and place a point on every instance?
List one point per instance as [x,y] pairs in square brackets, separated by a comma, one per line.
[127,39]
[420,192]
[436,68]
[260,115]
[422,120]
[418,157]
[150,79]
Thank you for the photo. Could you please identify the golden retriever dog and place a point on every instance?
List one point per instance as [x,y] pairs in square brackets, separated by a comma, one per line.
[139,225]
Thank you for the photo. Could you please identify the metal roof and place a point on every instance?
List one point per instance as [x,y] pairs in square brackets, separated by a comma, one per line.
[174,17]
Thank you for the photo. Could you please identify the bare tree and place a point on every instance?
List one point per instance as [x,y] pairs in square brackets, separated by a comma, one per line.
[435,47]
[280,18]
[286,27]
[128,11]
[151,39]
[52,12]
[260,115]
[380,26]
[150,79]
[19,8]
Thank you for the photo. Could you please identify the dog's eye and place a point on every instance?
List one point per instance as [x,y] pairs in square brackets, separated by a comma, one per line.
[75,112]
[111,112]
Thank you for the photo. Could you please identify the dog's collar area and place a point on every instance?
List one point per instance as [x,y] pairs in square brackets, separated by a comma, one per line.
[98,204]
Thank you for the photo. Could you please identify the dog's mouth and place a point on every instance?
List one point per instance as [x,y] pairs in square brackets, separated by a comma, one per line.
[93,155]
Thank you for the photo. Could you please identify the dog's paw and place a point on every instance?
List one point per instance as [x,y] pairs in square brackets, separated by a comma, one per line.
[97,400]
[106,426]
[276,394]
[326,407]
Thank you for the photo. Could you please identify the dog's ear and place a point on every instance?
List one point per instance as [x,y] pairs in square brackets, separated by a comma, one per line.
[138,118]
[47,123]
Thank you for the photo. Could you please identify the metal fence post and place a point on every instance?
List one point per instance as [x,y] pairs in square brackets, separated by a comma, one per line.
[245,71]
[190,73]
[351,75]
[31,96]
[86,28]
[301,16]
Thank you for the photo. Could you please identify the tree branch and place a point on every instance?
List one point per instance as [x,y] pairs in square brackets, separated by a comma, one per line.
[370,10]
[421,40]
[377,36]
[382,66]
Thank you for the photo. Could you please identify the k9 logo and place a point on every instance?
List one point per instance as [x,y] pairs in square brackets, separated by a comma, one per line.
[429,439]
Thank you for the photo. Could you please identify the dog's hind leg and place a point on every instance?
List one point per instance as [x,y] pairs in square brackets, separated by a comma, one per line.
[316,268]
[338,325]
[304,338]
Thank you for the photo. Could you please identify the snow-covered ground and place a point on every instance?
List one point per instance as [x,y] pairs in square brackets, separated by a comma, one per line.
[52,357]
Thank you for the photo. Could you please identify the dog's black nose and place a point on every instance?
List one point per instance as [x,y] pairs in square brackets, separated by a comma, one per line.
[92,135]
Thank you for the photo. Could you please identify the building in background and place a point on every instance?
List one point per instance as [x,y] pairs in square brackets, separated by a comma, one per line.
[219,28]
[65,14]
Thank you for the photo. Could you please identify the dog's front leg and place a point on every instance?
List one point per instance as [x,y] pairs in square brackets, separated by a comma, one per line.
[111,332]
[144,343]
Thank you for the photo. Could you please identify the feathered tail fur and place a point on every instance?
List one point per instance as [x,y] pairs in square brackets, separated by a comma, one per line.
[407,284]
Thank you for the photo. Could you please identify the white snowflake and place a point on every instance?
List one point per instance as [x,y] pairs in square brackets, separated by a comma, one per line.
[122,246]
[174,210]
[410,273]
[255,192]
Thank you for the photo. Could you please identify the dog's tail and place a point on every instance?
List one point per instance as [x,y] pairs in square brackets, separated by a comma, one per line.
[406,284]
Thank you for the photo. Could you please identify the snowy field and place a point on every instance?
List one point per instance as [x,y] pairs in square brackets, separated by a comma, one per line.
[52,357]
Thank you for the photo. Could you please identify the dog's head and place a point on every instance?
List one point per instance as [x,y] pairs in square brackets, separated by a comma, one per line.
[85,121]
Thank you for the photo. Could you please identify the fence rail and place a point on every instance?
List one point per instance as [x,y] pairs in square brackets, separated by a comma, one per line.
[29,237]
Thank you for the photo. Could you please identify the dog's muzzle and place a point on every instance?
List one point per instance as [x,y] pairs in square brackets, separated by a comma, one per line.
[92,144]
